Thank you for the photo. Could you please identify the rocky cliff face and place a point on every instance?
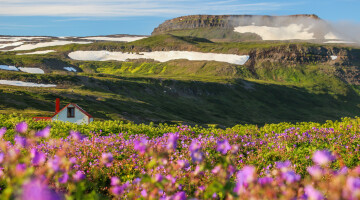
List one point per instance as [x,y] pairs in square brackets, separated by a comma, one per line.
[295,54]
[226,21]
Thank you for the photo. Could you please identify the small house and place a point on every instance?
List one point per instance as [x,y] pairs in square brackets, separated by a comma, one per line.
[70,113]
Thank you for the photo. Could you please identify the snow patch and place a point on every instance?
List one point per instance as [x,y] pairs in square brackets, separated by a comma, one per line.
[37,52]
[161,56]
[117,39]
[9,68]
[339,42]
[333,57]
[291,32]
[15,39]
[25,84]
[70,69]
[14,44]
[32,70]
[46,44]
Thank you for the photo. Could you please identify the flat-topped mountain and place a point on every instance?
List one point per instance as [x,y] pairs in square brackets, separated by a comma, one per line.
[252,28]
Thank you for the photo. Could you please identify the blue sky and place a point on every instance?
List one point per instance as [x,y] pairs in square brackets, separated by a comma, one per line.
[140,17]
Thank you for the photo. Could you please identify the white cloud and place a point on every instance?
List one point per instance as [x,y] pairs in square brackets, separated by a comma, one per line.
[111,8]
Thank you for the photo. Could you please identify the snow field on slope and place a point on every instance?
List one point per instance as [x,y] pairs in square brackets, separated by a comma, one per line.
[9,68]
[291,32]
[31,70]
[161,56]
[46,44]
[23,69]
[117,39]
[70,69]
[10,44]
[24,84]
[333,57]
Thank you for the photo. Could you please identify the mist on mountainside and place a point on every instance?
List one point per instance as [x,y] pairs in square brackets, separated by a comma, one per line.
[349,29]
[304,26]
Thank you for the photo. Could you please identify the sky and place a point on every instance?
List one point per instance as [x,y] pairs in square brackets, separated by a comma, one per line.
[140,17]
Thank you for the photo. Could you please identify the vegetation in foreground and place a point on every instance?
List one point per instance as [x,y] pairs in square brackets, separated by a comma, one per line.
[277,161]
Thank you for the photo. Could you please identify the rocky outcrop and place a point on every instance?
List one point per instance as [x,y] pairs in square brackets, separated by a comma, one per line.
[226,21]
[295,54]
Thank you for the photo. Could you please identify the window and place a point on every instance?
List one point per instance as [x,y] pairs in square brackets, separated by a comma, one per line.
[71,112]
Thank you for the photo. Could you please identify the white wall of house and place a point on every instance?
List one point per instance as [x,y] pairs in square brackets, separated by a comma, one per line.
[80,118]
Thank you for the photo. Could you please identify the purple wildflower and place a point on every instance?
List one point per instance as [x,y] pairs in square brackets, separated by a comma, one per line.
[2,156]
[38,158]
[64,178]
[20,141]
[353,184]
[342,171]
[231,170]
[323,157]
[194,146]
[54,163]
[78,176]
[239,188]
[246,175]
[140,145]
[76,135]
[265,180]
[35,190]
[158,177]
[234,149]
[223,146]
[291,177]
[197,156]
[106,159]
[20,168]
[283,165]
[216,169]
[179,196]
[172,141]
[21,127]
[214,196]
[2,132]
[315,171]
[183,164]
[115,181]
[118,190]
[312,193]
[44,132]
[144,193]
[171,179]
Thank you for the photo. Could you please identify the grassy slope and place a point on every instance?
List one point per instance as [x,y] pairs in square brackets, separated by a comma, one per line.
[161,100]
[194,92]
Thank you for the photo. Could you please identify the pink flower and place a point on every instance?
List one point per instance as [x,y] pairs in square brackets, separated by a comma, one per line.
[21,127]
[2,132]
[140,145]
[106,159]
[323,157]
[35,190]
[44,132]
[223,146]
[78,176]
[38,158]
[172,141]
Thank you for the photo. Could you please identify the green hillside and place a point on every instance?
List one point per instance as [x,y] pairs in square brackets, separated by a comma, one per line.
[195,92]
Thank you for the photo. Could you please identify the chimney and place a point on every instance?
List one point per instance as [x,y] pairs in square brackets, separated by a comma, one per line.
[57,106]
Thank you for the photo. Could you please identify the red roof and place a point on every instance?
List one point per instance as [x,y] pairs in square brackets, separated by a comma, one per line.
[42,118]
[78,107]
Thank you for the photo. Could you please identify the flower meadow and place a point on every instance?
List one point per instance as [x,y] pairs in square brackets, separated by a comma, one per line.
[278,161]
